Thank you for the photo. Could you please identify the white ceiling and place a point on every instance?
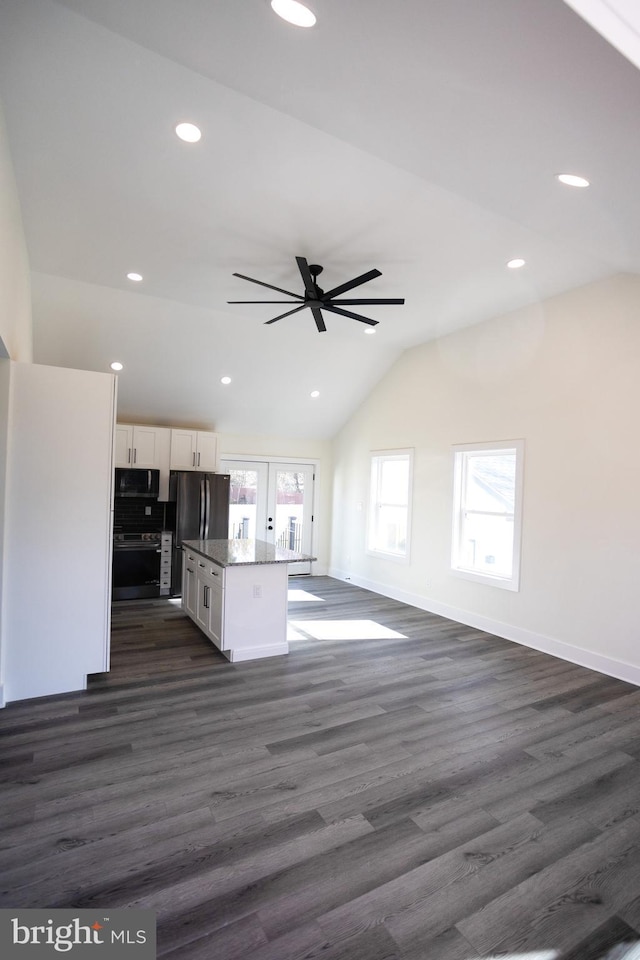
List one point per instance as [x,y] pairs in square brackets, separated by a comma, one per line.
[419,137]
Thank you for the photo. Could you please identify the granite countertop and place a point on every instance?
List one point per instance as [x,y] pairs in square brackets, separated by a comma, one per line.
[229,553]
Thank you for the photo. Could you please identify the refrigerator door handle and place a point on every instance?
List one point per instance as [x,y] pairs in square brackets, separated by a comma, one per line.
[207,483]
[202,510]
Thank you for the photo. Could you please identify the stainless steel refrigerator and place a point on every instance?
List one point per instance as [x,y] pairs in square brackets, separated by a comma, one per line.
[199,511]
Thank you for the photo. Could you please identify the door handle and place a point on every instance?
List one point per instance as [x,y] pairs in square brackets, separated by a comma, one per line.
[194,460]
[135,454]
[198,459]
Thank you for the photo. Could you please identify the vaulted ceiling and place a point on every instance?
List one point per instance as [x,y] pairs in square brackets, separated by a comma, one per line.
[421,138]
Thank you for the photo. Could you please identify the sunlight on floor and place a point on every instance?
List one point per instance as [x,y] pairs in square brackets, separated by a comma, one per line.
[297,596]
[346,630]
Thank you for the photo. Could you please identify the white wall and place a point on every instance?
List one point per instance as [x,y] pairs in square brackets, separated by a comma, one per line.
[564,376]
[15,329]
[15,297]
[241,446]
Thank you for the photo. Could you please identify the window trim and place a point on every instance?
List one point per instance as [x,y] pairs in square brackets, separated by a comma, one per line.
[393,454]
[497,446]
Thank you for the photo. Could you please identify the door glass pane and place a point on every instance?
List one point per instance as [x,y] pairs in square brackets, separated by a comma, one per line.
[243,500]
[289,509]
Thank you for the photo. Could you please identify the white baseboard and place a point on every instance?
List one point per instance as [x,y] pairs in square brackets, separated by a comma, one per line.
[256,653]
[527,638]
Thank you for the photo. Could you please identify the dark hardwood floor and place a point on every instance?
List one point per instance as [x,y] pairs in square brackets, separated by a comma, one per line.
[439,795]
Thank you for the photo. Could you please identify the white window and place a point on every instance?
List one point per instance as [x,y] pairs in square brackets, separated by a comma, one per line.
[487,512]
[389,503]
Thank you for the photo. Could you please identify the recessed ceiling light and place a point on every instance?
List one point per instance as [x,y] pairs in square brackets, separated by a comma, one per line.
[516,263]
[369,330]
[188,132]
[572,180]
[315,393]
[136,277]
[225,380]
[116,365]
[294,12]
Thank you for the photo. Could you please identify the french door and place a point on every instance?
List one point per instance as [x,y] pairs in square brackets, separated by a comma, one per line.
[272,501]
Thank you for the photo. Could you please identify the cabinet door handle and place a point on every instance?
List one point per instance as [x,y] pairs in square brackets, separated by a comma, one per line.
[198,459]
[129,455]
[206,597]
[135,454]
[194,460]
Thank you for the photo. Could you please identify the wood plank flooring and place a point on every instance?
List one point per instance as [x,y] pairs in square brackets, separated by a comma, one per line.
[442,794]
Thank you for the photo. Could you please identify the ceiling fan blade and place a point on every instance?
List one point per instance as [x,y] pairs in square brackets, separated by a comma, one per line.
[260,301]
[371,301]
[347,313]
[269,285]
[317,316]
[302,306]
[350,284]
[307,278]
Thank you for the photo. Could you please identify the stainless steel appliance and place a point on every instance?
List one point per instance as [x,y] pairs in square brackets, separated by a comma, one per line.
[132,482]
[200,510]
[136,565]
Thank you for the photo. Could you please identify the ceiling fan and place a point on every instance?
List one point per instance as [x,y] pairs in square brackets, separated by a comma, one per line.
[317,300]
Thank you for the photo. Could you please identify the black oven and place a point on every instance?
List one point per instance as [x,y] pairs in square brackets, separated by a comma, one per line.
[132,482]
[136,565]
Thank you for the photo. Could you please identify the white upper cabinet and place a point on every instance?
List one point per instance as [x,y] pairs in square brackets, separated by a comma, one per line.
[140,446]
[124,445]
[194,450]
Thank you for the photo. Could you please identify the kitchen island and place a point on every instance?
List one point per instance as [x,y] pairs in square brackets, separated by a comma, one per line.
[236,592]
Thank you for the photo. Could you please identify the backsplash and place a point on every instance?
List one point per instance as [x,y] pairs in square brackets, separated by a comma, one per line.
[130,515]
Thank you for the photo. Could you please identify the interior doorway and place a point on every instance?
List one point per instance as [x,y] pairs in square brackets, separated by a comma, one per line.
[272,500]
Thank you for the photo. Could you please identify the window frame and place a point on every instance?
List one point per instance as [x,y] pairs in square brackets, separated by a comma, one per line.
[461,453]
[405,453]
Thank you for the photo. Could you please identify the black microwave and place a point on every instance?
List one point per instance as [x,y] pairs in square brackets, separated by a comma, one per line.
[137,483]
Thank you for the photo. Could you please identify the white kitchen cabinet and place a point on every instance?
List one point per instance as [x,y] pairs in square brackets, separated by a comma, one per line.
[190,584]
[141,446]
[194,450]
[124,445]
[202,595]
[206,608]
[216,607]
[241,607]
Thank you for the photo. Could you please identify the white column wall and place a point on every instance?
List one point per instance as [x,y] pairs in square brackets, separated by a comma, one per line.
[15,331]
[564,376]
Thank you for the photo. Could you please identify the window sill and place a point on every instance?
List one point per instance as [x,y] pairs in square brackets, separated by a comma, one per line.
[503,583]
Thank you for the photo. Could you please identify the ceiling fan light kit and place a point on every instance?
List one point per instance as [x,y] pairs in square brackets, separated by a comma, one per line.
[317,300]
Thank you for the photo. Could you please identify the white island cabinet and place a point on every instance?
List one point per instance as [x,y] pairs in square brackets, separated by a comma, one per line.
[236,592]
